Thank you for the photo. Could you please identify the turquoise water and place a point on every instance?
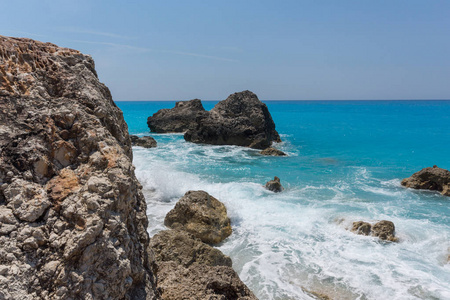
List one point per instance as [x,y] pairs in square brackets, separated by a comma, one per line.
[345,163]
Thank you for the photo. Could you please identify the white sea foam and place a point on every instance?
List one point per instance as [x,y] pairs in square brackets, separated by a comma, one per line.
[283,244]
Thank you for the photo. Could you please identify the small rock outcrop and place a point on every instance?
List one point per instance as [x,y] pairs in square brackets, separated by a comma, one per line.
[384,230]
[73,221]
[270,151]
[274,185]
[435,179]
[178,119]
[202,215]
[241,120]
[145,141]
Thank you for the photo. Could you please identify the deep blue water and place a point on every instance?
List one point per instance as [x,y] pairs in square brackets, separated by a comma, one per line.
[345,163]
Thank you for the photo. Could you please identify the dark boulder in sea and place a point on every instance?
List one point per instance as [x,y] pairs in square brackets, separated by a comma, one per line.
[145,141]
[178,119]
[384,230]
[202,215]
[274,185]
[435,179]
[270,151]
[241,120]
[73,221]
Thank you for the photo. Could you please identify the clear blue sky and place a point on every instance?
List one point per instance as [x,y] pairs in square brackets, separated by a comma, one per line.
[175,50]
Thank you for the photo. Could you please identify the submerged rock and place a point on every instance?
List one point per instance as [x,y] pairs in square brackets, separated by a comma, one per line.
[202,215]
[434,178]
[384,230]
[178,119]
[73,221]
[145,141]
[272,152]
[274,185]
[241,120]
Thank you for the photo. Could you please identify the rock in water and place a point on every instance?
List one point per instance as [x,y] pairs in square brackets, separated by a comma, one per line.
[178,119]
[240,120]
[274,185]
[145,141]
[72,214]
[272,152]
[202,215]
[384,230]
[434,178]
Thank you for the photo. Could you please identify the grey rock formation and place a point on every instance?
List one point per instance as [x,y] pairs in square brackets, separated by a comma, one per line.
[384,230]
[145,141]
[185,249]
[270,151]
[72,214]
[434,178]
[274,185]
[178,119]
[240,120]
[202,215]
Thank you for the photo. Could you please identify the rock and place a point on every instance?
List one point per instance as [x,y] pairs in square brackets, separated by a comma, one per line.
[200,282]
[270,151]
[384,230]
[178,119]
[145,141]
[202,215]
[185,249]
[72,213]
[434,178]
[240,120]
[274,185]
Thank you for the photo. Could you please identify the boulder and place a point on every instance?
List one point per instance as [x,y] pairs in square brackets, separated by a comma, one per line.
[200,282]
[185,249]
[178,119]
[241,120]
[384,230]
[274,185]
[145,141]
[202,215]
[434,178]
[270,151]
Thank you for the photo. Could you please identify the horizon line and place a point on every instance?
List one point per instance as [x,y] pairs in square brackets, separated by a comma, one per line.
[291,100]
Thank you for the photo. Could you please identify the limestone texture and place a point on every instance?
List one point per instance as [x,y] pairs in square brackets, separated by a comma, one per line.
[274,185]
[270,151]
[178,119]
[384,230]
[435,179]
[202,215]
[145,141]
[72,215]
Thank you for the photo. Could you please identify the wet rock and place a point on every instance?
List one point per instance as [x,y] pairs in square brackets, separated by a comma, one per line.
[145,141]
[274,185]
[202,215]
[200,282]
[384,230]
[185,249]
[270,151]
[178,119]
[72,214]
[241,120]
[434,178]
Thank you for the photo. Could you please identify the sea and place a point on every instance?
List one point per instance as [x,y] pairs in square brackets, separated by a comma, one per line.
[345,163]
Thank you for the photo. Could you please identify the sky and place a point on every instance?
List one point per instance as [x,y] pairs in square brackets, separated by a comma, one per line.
[280,50]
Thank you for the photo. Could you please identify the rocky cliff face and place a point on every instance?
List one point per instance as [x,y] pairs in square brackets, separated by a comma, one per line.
[72,215]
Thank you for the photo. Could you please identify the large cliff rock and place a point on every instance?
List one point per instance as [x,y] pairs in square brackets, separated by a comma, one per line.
[177,119]
[72,215]
[240,120]
[435,179]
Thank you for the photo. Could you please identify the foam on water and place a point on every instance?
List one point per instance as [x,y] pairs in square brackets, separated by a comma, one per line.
[284,244]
